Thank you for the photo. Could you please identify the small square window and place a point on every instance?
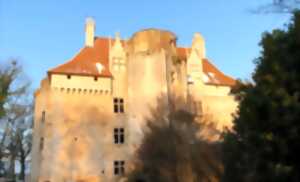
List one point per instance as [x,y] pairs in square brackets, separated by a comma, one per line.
[118,105]
[69,76]
[119,167]
[119,136]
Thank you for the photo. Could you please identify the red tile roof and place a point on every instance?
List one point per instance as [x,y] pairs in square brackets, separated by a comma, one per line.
[214,75]
[219,77]
[84,63]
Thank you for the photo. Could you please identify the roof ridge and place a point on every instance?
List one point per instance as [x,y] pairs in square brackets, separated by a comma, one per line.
[68,61]
[102,37]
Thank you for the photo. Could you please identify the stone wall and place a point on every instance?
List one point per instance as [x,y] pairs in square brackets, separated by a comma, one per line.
[77,128]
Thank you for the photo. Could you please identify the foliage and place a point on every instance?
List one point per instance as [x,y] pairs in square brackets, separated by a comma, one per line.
[16,120]
[264,142]
[172,151]
[7,75]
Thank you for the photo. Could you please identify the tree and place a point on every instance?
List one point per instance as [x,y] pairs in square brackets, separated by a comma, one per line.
[279,6]
[263,144]
[19,135]
[172,151]
[16,119]
[7,76]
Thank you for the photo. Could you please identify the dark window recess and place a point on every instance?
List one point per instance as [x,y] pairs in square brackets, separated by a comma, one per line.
[122,109]
[42,143]
[96,78]
[43,116]
[119,135]
[122,168]
[116,135]
[118,105]
[69,76]
[116,108]
[119,167]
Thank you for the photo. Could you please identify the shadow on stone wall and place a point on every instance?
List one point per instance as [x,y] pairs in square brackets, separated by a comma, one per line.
[173,148]
[78,147]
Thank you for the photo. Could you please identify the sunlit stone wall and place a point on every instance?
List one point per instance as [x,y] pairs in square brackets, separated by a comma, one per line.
[81,84]
[78,136]
[77,128]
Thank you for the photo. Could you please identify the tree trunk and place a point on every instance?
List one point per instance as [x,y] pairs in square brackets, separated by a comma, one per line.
[23,164]
[11,171]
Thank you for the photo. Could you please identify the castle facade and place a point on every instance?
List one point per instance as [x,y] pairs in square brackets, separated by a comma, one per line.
[91,110]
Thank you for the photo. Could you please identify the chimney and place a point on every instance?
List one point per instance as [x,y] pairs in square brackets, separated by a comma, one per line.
[199,45]
[89,32]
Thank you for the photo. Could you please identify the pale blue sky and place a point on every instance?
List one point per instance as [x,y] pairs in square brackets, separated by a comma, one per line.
[45,33]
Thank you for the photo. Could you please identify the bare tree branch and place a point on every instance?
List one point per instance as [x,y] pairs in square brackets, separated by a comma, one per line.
[278,6]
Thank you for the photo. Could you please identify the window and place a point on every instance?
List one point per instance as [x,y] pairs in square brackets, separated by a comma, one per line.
[118,105]
[69,76]
[95,78]
[42,143]
[119,135]
[43,116]
[118,64]
[119,168]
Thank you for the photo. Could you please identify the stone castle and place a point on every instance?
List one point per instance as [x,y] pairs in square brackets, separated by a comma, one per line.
[91,110]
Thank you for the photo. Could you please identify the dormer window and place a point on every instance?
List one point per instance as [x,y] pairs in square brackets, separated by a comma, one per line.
[118,64]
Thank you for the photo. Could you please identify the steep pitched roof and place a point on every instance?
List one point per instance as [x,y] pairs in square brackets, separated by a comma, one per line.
[212,74]
[93,61]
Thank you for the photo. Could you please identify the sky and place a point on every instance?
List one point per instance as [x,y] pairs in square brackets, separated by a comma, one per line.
[44,34]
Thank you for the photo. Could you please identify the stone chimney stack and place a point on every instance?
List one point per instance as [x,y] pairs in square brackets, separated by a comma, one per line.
[89,32]
[199,45]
